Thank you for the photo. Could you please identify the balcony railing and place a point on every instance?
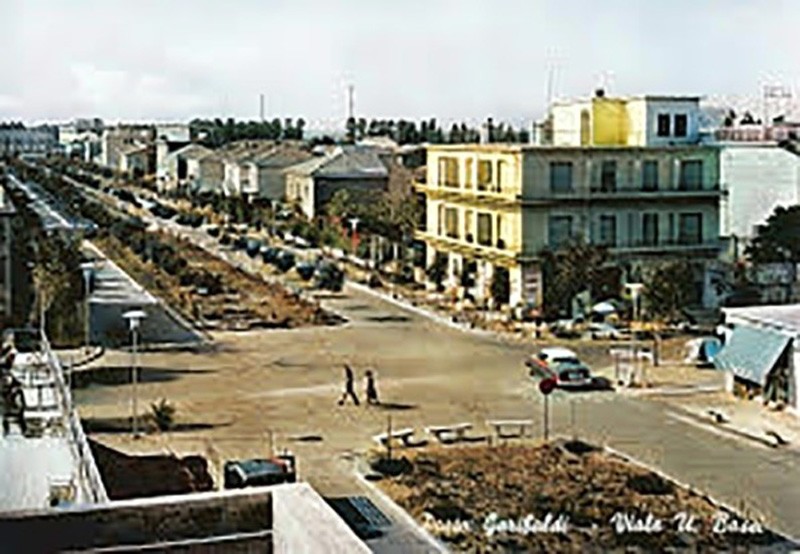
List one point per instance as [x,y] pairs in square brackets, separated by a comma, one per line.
[627,192]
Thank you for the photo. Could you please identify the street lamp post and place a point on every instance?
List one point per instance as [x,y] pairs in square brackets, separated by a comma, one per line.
[354,221]
[88,271]
[134,318]
[635,289]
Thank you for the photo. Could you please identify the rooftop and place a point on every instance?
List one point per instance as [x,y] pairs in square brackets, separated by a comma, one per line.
[785,317]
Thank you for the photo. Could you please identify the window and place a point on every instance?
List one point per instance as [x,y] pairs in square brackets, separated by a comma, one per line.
[608,176]
[469,225]
[681,124]
[650,175]
[649,229]
[690,228]
[559,230]
[560,176]
[691,177]
[663,125]
[484,174]
[448,172]
[608,230]
[470,170]
[500,242]
[451,222]
[500,170]
[440,221]
[485,229]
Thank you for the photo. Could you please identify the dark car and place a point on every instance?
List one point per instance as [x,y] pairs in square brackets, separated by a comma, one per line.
[253,247]
[306,270]
[269,254]
[240,243]
[225,239]
[330,277]
[259,472]
[285,261]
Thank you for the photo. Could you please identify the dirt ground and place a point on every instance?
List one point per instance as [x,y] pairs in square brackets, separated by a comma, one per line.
[566,478]
[245,302]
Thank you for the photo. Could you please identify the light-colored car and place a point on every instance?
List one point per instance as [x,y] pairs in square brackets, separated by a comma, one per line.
[606,331]
[564,366]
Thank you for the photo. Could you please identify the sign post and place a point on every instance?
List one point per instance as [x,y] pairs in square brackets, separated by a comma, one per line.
[546,386]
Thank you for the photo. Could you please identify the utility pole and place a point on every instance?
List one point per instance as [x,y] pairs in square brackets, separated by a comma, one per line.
[350,106]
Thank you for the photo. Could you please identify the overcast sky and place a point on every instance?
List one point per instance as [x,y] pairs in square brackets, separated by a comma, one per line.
[463,59]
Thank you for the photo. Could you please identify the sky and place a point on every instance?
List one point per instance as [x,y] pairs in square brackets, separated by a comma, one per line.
[173,60]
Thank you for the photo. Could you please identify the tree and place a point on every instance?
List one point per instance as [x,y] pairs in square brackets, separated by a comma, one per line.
[301,124]
[361,126]
[567,271]
[438,270]
[351,129]
[779,239]
[500,286]
[163,414]
[339,204]
[669,290]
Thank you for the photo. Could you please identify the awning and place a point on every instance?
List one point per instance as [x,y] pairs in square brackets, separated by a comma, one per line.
[751,352]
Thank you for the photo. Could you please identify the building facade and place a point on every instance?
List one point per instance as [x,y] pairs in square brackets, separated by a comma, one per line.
[500,206]
[16,139]
[7,212]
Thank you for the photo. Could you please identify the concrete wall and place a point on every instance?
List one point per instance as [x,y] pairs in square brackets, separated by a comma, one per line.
[759,177]
[672,107]
[140,522]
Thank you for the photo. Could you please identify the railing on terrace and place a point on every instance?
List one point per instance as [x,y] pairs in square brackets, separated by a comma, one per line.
[88,471]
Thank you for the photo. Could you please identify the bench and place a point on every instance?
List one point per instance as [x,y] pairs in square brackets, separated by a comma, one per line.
[449,433]
[519,427]
[402,435]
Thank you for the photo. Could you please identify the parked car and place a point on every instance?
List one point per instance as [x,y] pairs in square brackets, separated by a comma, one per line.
[225,239]
[260,472]
[285,261]
[568,328]
[213,230]
[240,243]
[329,277]
[305,270]
[269,254]
[253,247]
[606,331]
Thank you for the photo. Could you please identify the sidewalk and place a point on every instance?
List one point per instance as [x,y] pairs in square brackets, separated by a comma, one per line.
[747,418]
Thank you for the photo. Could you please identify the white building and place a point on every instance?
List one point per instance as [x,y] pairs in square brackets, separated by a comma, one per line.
[759,176]
[761,355]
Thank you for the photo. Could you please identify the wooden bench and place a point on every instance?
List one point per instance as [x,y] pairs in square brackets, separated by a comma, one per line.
[402,435]
[520,425]
[449,433]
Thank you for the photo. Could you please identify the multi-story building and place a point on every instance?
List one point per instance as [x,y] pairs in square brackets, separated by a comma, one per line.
[7,212]
[490,206]
[122,138]
[17,139]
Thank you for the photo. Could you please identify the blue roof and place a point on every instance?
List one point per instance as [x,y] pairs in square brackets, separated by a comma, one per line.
[751,353]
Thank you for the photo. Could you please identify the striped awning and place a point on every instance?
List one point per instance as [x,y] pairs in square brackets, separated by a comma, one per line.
[751,352]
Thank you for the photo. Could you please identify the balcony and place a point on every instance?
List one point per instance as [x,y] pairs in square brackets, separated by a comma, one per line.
[598,193]
[504,198]
[666,246]
[499,251]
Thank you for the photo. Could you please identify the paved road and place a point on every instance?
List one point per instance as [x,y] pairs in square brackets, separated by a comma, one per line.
[447,376]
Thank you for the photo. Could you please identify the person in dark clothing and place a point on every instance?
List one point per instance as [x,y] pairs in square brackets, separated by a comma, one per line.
[372,392]
[13,403]
[349,387]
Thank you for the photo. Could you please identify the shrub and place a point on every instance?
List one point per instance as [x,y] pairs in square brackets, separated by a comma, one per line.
[163,414]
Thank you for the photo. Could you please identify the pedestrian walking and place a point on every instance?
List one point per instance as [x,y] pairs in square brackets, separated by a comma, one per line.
[372,391]
[349,386]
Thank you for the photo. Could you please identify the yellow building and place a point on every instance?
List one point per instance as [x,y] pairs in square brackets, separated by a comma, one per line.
[491,206]
[626,121]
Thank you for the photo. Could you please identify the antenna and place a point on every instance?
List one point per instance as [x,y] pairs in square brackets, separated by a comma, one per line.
[775,98]
[550,85]
[261,107]
[350,92]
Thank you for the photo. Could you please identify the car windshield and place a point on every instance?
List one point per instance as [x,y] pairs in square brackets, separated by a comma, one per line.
[570,361]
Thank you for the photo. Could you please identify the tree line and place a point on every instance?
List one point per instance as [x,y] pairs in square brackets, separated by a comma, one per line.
[216,132]
[408,132]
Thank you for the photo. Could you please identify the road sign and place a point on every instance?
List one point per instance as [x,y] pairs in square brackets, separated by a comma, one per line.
[546,386]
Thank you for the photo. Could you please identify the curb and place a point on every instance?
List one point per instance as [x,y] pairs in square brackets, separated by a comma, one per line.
[693,490]
[421,311]
[400,513]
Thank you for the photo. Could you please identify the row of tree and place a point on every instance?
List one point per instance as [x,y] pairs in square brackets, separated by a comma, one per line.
[217,132]
[408,132]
